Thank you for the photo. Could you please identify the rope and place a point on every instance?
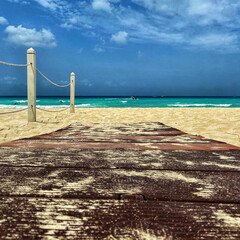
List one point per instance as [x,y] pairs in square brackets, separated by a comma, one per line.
[53,82]
[36,107]
[13,111]
[25,65]
[16,65]
[41,109]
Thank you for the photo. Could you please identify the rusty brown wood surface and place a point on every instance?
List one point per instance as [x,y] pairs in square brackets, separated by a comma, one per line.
[228,160]
[141,136]
[109,184]
[45,218]
[119,181]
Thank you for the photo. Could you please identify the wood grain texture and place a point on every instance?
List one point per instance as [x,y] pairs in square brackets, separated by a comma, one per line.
[119,181]
[141,136]
[35,218]
[106,183]
[122,158]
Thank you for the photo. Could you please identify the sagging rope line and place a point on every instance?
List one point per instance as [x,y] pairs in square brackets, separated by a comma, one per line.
[41,109]
[36,108]
[51,81]
[25,65]
[15,65]
[13,111]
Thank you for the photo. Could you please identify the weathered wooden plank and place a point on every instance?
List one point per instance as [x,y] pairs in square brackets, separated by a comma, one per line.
[185,138]
[142,136]
[124,133]
[29,218]
[106,183]
[133,159]
[120,128]
[101,132]
[32,172]
[120,145]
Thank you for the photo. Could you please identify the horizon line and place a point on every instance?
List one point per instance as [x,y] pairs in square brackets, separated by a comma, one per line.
[128,96]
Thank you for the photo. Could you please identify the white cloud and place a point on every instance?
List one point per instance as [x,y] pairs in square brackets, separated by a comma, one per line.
[74,22]
[86,82]
[199,12]
[101,5]
[112,83]
[9,79]
[200,7]
[3,21]
[80,50]
[67,25]
[51,4]
[160,5]
[19,1]
[30,37]
[219,41]
[189,24]
[208,12]
[120,37]
[143,29]
[98,49]
[140,54]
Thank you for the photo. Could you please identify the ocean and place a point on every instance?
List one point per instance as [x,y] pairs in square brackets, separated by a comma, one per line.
[123,102]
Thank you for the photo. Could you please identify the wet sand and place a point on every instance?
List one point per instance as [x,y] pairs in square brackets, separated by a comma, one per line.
[221,124]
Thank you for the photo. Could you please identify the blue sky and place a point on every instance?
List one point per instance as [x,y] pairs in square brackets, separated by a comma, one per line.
[123,47]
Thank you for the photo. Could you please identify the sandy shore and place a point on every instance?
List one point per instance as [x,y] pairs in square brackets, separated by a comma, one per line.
[221,124]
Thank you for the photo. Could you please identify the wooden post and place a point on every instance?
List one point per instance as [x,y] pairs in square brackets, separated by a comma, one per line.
[31,84]
[72,93]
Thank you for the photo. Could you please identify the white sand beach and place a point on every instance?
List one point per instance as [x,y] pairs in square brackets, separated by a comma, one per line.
[216,123]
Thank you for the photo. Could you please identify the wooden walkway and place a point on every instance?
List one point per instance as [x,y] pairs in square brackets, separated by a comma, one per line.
[119,181]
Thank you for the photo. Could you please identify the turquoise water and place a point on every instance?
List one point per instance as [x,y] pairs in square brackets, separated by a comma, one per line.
[121,102]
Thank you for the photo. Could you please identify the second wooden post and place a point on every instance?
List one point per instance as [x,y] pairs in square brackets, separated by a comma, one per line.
[72,93]
[31,84]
